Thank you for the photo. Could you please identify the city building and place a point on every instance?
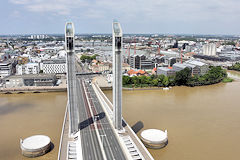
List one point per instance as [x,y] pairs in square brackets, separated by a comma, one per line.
[30,80]
[29,68]
[135,61]
[101,67]
[170,61]
[141,62]
[6,68]
[54,66]
[210,49]
[107,66]
[146,64]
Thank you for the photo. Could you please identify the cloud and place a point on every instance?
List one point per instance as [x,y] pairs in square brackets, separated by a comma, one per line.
[139,15]
[20,1]
[61,7]
[133,9]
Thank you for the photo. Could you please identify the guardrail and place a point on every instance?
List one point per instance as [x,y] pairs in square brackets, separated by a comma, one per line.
[61,138]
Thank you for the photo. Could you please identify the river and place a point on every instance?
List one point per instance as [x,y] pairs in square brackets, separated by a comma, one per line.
[202,122]
[23,115]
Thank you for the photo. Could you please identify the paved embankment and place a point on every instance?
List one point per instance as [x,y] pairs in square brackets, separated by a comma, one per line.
[33,89]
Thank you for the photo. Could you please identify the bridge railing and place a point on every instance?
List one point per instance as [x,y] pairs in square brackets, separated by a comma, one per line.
[62,132]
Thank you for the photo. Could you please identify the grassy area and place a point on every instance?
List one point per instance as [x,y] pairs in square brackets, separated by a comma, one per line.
[227,80]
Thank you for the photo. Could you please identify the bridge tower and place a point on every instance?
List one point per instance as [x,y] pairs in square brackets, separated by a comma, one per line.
[117,74]
[71,77]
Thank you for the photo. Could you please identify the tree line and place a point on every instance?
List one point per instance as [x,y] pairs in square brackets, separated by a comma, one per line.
[183,77]
[85,58]
[235,67]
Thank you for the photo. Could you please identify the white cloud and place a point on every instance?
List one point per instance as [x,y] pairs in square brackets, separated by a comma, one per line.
[61,7]
[191,12]
[20,1]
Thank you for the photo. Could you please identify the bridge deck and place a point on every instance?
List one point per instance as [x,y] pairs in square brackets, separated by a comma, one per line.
[128,131]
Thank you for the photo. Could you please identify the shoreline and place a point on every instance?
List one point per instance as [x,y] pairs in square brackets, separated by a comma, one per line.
[160,88]
[40,89]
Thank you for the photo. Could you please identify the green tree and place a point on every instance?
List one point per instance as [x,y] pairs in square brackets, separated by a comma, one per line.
[182,76]
[154,82]
[160,78]
[148,80]
[143,79]
[171,80]
[85,58]
[165,81]
[126,80]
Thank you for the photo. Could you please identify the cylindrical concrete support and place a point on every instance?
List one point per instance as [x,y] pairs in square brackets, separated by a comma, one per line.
[35,146]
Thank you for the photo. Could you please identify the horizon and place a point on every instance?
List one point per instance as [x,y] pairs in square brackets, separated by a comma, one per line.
[158,34]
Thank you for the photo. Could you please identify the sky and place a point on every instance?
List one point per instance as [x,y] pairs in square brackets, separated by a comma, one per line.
[136,16]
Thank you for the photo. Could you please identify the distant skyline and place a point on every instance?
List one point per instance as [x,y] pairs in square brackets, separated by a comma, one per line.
[136,16]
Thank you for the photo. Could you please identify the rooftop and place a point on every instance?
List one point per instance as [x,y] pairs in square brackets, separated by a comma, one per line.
[54,61]
[180,65]
[194,62]
[164,69]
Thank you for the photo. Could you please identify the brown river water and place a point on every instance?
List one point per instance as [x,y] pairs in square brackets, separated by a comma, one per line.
[203,123]
[23,115]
